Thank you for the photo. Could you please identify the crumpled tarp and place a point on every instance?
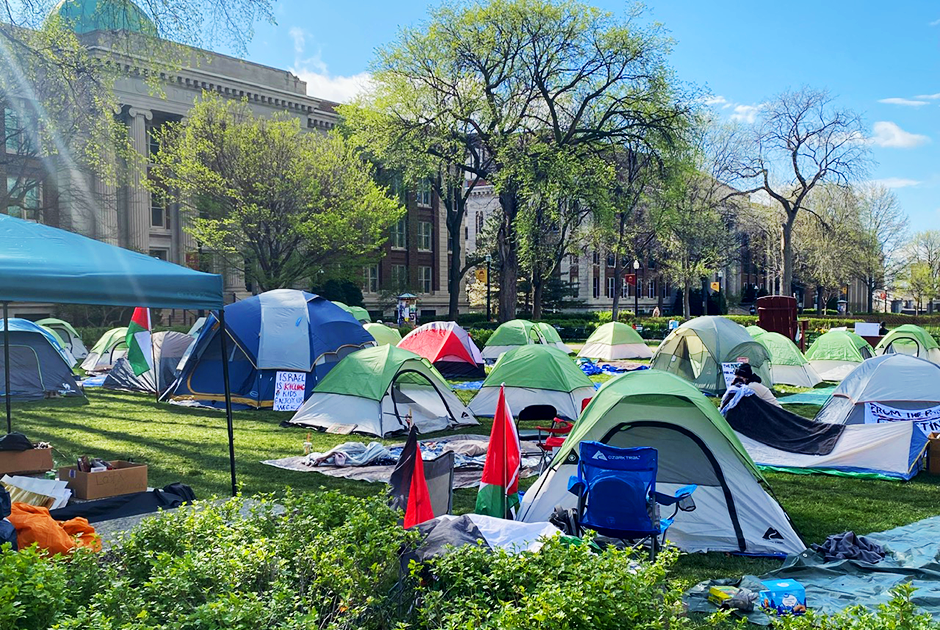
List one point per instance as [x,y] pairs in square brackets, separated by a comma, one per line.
[849,546]
[817,396]
[912,555]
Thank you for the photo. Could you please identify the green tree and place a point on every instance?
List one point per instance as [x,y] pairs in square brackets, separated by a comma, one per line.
[500,79]
[281,202]
[921,282]
[883,224]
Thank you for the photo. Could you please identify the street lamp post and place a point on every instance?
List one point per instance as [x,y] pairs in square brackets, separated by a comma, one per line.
[489,259]
[636,288]
[718,299]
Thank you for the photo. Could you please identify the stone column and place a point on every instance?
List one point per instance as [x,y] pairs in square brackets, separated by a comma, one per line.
[138,197]
[106,194]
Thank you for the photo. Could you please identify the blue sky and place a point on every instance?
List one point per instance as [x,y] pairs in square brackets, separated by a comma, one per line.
[881,59]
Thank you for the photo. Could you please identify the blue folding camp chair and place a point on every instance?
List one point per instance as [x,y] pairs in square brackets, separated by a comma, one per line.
[617,498]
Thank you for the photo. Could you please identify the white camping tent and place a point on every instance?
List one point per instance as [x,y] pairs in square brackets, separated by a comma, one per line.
[885,389]
[734,512]
[376,390]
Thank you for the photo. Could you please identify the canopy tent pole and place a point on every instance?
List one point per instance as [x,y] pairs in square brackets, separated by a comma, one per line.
[228,400]
[6,364]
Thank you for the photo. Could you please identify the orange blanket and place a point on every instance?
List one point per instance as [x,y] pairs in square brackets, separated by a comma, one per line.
[35,525]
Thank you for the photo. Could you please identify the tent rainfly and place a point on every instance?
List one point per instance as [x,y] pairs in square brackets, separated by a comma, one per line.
[38,365]
[68,335]
[696,349]
[43,264]
[510,335]
[277,331]
[734,511]
[550,337]
[534,375]
[788,365]
[377,390]
[448,347]
[168,350]
[882,389]
[107,350]
[615,340]
[911,340]
[836,353]
[383,335]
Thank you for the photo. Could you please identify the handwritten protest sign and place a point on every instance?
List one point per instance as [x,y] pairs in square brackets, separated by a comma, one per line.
[289,390]
[927,420]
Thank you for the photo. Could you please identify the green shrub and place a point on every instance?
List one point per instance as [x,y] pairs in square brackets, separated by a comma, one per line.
[898,614]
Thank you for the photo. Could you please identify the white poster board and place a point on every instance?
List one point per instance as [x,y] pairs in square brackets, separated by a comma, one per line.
[863,329]
[289,390]
[927,420]
[727,370]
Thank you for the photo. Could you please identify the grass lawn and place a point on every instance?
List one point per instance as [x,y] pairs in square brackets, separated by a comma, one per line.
[189,445]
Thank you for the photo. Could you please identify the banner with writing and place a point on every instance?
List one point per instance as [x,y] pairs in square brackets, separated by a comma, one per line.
[289,390]
[727,370]
[927,420]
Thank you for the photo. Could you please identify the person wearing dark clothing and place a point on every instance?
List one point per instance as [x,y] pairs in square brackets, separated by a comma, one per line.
[744,375]
[883,330]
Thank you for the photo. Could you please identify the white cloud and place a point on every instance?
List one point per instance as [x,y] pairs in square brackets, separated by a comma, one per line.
[889,134]
[320,82]
[935,23]
[715,100]
[746,113]
[932,97]
[902,101]
[895,182]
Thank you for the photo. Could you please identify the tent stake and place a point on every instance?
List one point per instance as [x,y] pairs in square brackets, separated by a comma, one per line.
[228,400]
[6,364]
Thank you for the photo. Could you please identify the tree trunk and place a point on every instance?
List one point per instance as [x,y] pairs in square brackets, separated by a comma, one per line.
[820,303]
[618,288]
[508,257]
[786,285]
[704,295]
[455,271]
[538,285]
[870,285]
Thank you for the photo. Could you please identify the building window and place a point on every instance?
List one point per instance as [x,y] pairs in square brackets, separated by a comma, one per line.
[611,286]
[597,287]
[159,217]
[480,219]
[400,277]
[651,289]
[424,279]
[154,141]
[423,194]
[611,260]
[24,198]
[370,276]
[425,235]
[400,233]
[597,258]
[17,131]
[160,254]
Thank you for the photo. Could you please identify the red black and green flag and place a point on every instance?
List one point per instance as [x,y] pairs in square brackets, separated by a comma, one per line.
[499,489]
[409,485]
[139,342]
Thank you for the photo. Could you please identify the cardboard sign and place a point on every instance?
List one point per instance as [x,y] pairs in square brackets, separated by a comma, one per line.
[863,329]
[727,370]
[927,420]
[289,390]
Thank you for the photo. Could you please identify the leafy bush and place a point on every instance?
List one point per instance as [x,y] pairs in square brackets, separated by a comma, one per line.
[898,614]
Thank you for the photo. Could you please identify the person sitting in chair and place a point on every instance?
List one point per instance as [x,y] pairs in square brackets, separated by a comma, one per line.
[744,375]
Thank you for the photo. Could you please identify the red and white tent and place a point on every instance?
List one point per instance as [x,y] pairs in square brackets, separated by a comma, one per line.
[448,347]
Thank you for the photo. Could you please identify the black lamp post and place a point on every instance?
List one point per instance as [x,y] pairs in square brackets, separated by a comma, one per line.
[636,288]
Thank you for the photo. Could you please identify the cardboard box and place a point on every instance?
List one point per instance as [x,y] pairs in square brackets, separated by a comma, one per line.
[126,478]
[31,461]
[933,453]
[783,596]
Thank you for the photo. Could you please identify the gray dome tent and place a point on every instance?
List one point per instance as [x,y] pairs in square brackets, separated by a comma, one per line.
[37,364]
[168,349]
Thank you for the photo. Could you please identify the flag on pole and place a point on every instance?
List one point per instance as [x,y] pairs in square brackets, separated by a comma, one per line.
[409,486]
[499,489]
[139,342]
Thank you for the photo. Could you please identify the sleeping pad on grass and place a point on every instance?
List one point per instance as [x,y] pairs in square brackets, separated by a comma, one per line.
[912,555]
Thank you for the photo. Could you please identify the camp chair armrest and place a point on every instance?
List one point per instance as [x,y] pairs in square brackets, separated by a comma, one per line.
[576,485]
[680,494]
[555,430]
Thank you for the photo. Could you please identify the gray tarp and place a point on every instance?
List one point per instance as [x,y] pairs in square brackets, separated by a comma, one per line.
[168,348]
[913,555]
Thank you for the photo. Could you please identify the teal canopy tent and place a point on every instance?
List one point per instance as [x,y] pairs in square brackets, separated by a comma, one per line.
[39,263]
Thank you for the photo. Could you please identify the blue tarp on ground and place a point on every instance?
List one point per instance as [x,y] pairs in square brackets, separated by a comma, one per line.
[913,555]
[43,264]
[813,397]
[466,384]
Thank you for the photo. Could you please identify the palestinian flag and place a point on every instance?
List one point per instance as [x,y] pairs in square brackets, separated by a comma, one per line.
[409,486]
[139,343]
[499,488]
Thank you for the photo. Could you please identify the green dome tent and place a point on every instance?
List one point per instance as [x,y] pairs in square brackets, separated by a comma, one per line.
[361,314]
[550,337]
[376,390]
[71,340]
[534,375]
[836,353]
[754,331]
[509,335]
[910,340]
[696,349]
[383,335]
[104,354]
[789,366]
[734,512]
[613,341]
